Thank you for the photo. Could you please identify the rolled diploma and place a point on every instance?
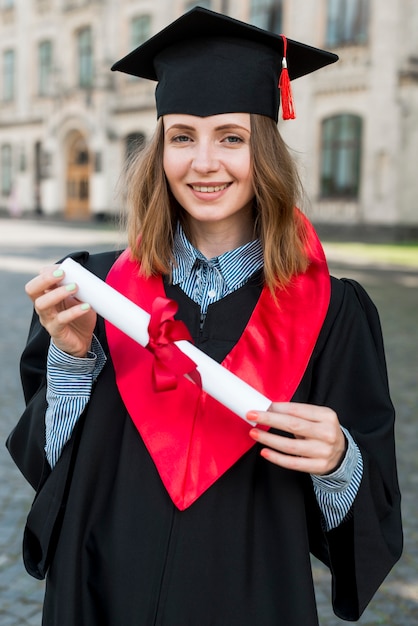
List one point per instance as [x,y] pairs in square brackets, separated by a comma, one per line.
[217,381]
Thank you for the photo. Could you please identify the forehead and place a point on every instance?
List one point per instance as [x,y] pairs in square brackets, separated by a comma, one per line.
[211,122]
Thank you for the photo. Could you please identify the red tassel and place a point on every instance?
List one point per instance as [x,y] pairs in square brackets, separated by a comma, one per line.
[286,97]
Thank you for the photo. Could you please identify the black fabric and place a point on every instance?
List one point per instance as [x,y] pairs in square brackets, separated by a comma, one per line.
[117,551]
[207,63]
[234,310]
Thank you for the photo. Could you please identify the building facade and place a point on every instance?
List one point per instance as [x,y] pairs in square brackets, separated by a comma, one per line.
[67,123]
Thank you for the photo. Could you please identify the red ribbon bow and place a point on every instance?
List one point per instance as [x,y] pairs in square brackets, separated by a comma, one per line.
[169,361]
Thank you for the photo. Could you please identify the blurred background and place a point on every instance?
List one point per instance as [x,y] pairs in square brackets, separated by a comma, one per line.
[68,125]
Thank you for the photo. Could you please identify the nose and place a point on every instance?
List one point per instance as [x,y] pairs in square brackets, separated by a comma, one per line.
[205,158]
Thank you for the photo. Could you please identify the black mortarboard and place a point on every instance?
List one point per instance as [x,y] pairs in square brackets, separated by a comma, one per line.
[207,63]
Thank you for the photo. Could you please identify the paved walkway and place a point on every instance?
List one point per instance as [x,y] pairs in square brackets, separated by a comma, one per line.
[25,246]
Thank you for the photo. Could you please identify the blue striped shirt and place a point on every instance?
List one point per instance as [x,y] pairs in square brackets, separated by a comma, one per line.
[70,379]
[69,384]
[208,280]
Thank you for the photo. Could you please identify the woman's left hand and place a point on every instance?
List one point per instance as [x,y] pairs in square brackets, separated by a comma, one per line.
[317,444]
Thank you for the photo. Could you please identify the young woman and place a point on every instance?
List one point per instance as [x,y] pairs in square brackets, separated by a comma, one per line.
[155,504]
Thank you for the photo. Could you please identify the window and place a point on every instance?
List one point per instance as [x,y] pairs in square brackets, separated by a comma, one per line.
[347,22]
[341,155]
[6,169]
[140,30]
[38,162]
[205,4]
[85,58]
[267,14]
[8,75]
[44,68]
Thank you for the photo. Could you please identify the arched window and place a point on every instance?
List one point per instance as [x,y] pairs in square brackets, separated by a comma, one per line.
[348,22]
[134,142]
[341,156]
[78,177]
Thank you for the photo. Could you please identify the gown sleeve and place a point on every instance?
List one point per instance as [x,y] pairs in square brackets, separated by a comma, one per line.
[26,443]
[349,375]
[27,440]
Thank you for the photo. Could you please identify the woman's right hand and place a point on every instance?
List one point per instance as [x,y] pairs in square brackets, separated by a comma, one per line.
[69,321]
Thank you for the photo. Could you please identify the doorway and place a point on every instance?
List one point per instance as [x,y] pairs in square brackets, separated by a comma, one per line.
[78,178]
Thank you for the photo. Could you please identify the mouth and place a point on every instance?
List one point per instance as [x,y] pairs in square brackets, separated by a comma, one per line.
[210,188]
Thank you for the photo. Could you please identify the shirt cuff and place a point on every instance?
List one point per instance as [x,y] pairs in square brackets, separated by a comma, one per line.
[69,384]
[336,492]
[340,479]
[65,372]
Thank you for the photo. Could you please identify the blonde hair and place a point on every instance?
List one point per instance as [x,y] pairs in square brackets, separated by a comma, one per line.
[153,212]
[277,192]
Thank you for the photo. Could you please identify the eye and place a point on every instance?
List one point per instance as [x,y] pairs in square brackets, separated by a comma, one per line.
[232,139]
[180,139]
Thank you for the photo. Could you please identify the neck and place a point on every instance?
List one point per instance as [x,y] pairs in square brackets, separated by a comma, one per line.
[212,240]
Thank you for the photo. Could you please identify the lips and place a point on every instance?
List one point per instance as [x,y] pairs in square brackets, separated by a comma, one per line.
[210,188]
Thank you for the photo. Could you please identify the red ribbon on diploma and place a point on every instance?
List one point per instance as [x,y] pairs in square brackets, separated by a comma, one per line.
[169,361]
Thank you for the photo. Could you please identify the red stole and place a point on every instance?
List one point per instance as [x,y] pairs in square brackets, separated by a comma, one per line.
[192,438]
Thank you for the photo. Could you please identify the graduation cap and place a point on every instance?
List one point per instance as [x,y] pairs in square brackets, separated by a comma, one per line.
[206,63]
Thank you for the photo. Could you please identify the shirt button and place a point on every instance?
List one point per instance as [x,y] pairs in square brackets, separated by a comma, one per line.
[211,293]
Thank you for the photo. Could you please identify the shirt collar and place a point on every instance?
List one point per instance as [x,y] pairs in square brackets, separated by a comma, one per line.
[247,259]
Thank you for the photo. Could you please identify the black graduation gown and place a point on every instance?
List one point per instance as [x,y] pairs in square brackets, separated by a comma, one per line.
[115,549]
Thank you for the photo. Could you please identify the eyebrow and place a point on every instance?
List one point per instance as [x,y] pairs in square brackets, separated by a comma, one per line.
[222,127]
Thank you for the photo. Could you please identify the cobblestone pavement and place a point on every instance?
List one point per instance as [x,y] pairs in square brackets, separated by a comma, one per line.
[27,245]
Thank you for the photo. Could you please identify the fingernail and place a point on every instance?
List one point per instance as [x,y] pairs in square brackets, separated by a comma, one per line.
[252,416]
[85,306]
[58,273]
[70,287]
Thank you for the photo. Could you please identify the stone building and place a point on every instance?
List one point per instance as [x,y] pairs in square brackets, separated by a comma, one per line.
[67,123]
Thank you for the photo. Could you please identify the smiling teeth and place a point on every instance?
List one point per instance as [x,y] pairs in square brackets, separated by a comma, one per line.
[209,189]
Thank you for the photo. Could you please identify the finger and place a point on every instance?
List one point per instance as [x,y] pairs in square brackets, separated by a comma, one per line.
[303,420]
[297,455]
[322,455]
[68,330]
[310,412]
[49,300]
[47,279]
[298,427]
[308,448]
[295,463]
[67,316]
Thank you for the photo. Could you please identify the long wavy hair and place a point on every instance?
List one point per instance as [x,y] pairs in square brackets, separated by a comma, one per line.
[153,212]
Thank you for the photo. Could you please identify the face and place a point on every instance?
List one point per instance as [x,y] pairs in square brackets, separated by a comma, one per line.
[207,162]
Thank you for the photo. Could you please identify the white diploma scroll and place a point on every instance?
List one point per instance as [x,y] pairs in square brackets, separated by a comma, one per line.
[217,381]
